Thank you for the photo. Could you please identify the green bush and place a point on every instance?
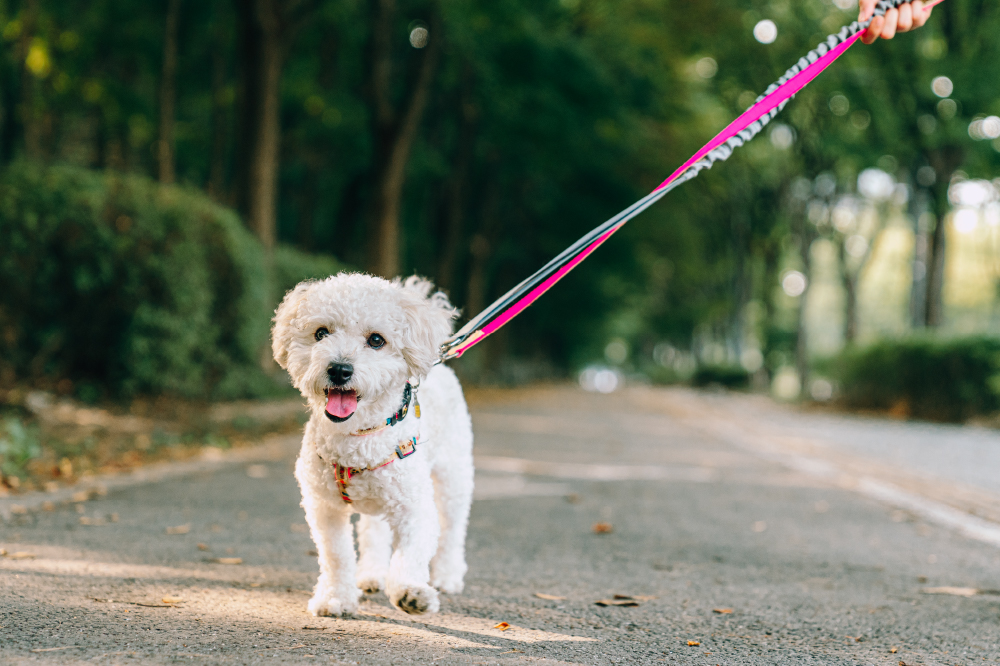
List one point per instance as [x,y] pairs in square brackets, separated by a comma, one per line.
[927,378]
[125,286]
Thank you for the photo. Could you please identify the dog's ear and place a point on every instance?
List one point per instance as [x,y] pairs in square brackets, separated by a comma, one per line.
[284,321]
[428,318]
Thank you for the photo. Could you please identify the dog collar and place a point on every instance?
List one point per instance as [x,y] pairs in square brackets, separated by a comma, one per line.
[406,448]
[409,394]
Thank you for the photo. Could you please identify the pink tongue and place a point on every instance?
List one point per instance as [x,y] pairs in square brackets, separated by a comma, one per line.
[342,403]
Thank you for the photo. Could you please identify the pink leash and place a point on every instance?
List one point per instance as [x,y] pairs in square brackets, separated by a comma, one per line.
[739,132]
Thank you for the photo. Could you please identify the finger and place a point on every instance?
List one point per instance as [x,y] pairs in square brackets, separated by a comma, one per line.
[891,18]
[874,30]
[905,18]
[920,13]
[867,7]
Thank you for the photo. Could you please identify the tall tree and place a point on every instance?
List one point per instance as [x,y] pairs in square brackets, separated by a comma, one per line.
[168,93]
[267,30]
[395,130]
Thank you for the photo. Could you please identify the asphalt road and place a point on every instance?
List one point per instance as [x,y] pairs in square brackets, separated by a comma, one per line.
[818,536]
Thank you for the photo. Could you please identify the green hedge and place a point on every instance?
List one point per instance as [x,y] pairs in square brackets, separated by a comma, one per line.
[125,286]
[928,378]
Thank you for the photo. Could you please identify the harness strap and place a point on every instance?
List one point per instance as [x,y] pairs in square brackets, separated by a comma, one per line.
[406,448]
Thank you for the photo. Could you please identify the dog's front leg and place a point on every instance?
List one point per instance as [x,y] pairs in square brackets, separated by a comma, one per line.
[336,591]
[416,531]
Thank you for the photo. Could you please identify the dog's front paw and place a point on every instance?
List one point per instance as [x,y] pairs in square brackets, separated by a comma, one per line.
[370,584]
[416,599]
[324,606]
[328,600]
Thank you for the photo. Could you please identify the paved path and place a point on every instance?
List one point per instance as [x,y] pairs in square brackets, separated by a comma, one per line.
[821,533]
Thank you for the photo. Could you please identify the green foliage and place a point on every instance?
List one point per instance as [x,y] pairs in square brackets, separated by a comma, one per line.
[19,445]
[928,378]
[114,281]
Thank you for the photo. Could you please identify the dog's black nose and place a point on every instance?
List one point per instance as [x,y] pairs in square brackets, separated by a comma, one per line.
[340,373]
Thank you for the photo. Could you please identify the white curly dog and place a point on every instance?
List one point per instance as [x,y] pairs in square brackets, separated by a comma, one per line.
[358,347]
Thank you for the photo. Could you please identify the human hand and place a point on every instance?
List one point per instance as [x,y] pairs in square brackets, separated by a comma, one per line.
[907,17]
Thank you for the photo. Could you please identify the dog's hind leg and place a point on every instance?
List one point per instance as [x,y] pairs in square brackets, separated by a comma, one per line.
[375,544]
[453,495]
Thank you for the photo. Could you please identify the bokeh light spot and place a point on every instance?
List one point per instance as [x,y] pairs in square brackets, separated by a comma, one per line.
[765,31]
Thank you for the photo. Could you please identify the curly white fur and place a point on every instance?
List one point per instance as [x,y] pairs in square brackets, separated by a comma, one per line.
[411,534]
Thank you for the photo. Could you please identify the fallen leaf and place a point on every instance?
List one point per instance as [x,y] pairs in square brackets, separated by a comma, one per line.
[955,591]
[3,552]
[722,611]
[637,597]
[227,560]
[172,600]
[902,663]
[602,528]
[68,647]
[548,597]
[145,605]
[310,627]
[179,529]
[202,546]
[694,643]
[617,602]
[503,626]
[21,555]
[312,553]
[893,650]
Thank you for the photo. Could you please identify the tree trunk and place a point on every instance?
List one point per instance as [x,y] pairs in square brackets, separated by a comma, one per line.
[806,237]
[220,113]
[265,139]
[267,28]
[851,297]
[168,93]
[29,118]
[384,242]
[935,275]
[455,228]
[918,285]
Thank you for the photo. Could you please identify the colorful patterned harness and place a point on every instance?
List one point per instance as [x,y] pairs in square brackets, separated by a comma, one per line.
[406,447]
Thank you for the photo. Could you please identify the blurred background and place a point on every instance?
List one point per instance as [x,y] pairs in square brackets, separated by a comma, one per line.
[169,169]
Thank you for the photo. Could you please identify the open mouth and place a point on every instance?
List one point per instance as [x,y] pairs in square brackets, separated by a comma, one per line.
[340,404]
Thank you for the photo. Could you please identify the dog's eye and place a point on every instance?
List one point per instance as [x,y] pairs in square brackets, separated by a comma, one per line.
[375,341]
[321,333]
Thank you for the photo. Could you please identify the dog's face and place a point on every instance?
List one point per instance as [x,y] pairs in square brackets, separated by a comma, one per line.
[351,342]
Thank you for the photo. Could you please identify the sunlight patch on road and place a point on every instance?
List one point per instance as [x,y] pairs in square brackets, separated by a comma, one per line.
[475,625]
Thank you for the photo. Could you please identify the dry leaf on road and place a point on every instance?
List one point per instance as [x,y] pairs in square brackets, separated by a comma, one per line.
[955,591]
[179,529]
[617,602]
[202,546]
[893,650]
[21,555]
[694,643]
[226,560]
[602,528]
[503,626]
[172,600]
[548,597]
[722,611]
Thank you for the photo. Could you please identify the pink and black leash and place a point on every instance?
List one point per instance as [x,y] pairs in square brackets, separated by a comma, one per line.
[739,132]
